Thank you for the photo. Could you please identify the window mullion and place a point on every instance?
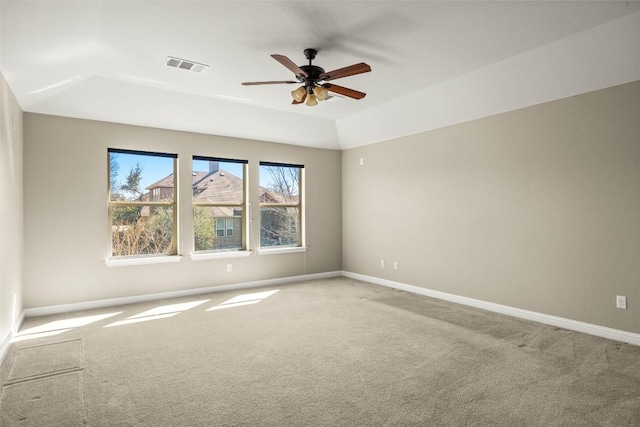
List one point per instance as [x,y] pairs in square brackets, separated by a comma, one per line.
[277,205]
[126,203]
[218,205]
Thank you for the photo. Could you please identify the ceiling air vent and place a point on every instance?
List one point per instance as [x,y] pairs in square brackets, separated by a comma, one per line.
[185,64]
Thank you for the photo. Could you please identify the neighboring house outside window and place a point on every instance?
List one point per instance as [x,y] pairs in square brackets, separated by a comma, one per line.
[219,204]
[281,212]
[142,218]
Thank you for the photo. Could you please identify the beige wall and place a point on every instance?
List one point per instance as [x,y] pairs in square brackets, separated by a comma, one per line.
[536,209]
[66,233]
[11,236]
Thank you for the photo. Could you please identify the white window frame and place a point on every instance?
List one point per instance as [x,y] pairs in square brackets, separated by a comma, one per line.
[202,254]
[301,247]
[143,258]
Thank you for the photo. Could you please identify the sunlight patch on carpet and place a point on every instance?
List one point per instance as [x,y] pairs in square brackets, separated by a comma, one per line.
[160,312]
[244,299]
[61,326]
[39,335]
[140,319]
[170,308]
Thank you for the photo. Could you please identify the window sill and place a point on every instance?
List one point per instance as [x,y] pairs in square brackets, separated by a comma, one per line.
[219,255]
[285,250]
[122,262]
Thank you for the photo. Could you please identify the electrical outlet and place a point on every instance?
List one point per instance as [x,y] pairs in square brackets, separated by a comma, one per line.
[229,267]
[382,263]
[395,265]
[621,302]
[361,162]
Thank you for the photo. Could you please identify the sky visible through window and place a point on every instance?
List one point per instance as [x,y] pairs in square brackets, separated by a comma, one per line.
[155,168]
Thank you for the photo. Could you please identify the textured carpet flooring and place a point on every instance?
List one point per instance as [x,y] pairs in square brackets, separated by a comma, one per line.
[333,352]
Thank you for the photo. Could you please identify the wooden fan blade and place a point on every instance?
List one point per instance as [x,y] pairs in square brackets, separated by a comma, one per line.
[269,83]
[303,99]
[344,91]
[290,65]
[346,71]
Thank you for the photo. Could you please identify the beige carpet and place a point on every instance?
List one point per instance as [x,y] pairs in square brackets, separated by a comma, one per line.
[334,352]
[49,401]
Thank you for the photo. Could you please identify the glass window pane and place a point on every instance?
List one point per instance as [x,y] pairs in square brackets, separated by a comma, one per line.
[140,177]
[217,182]
[220,227]
[279,226]
[212,225]
[141,230]
[279,184]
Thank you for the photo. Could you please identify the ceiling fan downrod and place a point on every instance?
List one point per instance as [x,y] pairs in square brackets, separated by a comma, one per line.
[310,54]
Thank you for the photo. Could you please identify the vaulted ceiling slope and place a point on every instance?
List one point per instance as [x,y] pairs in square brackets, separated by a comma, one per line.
[434,63]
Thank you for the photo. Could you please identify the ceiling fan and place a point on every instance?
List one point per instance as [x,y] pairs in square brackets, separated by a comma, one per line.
[313,79]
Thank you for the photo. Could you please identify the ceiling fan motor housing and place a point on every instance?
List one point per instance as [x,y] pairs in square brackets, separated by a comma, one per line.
[313,72]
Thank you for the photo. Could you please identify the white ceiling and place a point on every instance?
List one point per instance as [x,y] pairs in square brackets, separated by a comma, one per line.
[434,63]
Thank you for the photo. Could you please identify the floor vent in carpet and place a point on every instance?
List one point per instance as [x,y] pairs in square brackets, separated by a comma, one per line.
[45,360]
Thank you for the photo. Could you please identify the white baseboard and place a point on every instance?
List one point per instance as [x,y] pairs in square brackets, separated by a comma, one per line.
[88,305]
[573,325]
[4,348]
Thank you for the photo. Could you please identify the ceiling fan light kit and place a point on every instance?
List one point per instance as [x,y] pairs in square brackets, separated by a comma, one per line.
[313,78]
[321,93]
[311,100]
[299,93]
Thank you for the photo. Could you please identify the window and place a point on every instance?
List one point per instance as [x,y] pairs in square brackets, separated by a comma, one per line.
[280,204]
[142,220]
[224,227]
[219,194]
